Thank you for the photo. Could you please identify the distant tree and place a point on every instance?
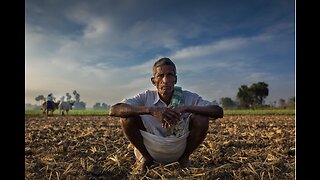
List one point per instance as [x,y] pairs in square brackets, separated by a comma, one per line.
[39,98]
[291,102]
[253,96]
[273,104]
[78,105]
[32,107]
[227,102]
[245,97]
[68,97]
[282,103]
[81,105]
[105,106]
[97,106]
[76,96]
[259,91]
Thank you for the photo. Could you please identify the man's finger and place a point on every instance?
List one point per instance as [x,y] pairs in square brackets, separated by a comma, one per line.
[172,115]
[165,124]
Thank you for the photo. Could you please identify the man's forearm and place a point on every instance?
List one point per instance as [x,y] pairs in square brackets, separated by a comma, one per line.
[210,111]
[125,110]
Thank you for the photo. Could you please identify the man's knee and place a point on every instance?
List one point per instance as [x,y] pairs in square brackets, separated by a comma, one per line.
[131,122]
[199,122]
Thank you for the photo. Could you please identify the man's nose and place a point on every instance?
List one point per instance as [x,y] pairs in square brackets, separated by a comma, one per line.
[165,78]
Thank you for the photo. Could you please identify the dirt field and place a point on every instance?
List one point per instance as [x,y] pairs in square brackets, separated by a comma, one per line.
[94,147]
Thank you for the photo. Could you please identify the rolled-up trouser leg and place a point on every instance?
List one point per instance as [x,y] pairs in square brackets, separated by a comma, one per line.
[198,126]
[131,127]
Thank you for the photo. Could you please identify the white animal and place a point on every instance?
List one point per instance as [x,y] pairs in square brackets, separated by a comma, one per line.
[65,107]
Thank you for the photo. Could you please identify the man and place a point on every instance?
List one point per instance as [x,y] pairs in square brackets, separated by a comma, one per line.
[160,113]
[50,102]
[49,105]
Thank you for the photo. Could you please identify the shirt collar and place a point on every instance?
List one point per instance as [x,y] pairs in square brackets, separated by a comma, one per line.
[157,99]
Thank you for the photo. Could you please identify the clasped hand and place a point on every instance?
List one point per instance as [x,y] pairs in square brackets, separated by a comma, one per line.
[167,115]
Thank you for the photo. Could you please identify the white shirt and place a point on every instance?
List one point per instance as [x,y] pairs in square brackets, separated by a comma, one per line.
[49,98]
[150,98]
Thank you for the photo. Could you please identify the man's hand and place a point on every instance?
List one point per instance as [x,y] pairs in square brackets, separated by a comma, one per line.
[180,110]
[167,116]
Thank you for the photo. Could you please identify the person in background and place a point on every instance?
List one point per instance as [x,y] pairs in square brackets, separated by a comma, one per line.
[50,101]
[169,112]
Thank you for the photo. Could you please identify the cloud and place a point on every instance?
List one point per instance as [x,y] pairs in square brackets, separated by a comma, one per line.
[211,60]
[106,50]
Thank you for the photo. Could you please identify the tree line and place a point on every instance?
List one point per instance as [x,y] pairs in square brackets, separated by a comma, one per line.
[252,97]
[248,97]
[77,103]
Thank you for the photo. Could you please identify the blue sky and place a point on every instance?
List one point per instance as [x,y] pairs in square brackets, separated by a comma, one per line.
[105,49]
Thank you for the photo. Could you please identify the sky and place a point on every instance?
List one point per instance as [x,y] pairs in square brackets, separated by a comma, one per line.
[105,49]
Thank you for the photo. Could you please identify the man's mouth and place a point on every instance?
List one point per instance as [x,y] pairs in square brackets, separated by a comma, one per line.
[166,87]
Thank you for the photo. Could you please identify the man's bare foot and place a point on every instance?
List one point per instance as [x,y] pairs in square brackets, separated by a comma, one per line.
[184,163]
[144,164]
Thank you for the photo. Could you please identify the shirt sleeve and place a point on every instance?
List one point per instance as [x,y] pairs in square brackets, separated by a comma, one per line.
[202,102]
[137,100]
[196,100]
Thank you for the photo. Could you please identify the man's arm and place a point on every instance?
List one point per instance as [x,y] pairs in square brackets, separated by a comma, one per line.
[163,114]
[126,110]
[212,111]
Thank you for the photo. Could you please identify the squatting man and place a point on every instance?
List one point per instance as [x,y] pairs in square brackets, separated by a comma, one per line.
[165,125]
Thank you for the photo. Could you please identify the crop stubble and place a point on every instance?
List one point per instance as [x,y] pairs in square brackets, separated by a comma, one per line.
[94,147]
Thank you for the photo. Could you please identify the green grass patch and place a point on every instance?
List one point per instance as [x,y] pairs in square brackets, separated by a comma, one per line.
[71,112]
[261,112]
[226,112]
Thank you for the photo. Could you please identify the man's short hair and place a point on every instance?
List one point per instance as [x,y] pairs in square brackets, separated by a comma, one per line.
[163,61]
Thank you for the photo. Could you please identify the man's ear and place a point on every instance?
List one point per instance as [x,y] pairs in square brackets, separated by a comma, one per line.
[152,80]
[176,80]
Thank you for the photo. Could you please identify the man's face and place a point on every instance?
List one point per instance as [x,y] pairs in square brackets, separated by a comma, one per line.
[164,79]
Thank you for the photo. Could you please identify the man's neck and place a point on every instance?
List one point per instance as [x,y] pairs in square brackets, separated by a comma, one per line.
[166,98]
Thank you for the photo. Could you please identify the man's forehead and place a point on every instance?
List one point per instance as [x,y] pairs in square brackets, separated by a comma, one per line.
[165,68]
